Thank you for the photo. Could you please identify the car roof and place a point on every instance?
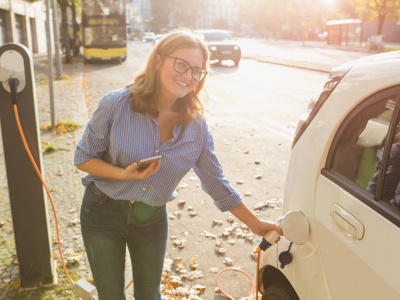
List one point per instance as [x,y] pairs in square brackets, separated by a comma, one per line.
[210,30]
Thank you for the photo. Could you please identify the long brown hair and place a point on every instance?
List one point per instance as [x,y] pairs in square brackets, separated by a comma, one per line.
[145,86]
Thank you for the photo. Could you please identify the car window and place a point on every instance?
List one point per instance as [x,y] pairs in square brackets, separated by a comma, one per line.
[217,36]
[365,152]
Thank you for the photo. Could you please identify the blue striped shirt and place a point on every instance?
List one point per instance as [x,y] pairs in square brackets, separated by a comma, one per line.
[121,136]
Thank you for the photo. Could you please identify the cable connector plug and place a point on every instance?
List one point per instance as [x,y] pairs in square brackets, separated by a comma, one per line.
[269,239]
[13,83]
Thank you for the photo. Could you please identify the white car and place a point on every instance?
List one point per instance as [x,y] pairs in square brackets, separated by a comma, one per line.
[350,245]
[148,37]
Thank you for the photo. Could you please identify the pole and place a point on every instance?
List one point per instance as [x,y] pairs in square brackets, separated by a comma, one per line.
[56,39]
[50,65]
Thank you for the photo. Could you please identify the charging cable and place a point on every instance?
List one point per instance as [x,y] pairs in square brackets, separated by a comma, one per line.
[270,238]
[13,83]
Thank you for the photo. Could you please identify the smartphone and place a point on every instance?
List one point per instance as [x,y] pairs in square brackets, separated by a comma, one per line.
[144,163]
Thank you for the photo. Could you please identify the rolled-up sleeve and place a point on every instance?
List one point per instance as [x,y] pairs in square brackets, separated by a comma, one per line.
[96,138]
[211,174]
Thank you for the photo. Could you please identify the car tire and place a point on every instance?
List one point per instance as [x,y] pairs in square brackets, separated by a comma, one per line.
[280,291]
[236,62]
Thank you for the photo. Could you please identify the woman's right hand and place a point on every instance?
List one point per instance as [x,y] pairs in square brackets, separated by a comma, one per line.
[131,171]
[99,167]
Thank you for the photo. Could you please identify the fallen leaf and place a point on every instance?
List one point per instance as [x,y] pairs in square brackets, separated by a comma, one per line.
[228,261]
[73,222]
[193,264]
[217,222]
[192,213]
[209,234]
[181,202]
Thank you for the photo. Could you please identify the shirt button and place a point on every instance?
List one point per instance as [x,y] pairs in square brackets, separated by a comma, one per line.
[143,189]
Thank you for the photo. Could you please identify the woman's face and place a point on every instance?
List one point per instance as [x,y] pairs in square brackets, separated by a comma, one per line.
[173,84]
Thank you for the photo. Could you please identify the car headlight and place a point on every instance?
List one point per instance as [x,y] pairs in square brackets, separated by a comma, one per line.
[236,48]
[316,102]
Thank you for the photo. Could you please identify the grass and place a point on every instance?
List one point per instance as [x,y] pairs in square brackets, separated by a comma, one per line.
[61,127]
[387,49]
[63,290]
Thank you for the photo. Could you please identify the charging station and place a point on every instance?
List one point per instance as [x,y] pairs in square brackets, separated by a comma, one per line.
[27,195]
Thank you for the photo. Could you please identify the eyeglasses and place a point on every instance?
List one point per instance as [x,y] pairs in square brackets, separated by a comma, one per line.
[182,66]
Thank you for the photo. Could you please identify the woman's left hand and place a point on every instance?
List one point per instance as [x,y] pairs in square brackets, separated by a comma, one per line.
[266,226]
[258,226]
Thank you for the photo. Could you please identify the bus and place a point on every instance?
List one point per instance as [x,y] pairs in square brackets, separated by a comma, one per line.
[104,30]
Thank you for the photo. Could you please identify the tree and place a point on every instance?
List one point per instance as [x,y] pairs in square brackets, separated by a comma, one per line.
[161,11]
[221,23]
[184,12]
[65,30]
[378,10]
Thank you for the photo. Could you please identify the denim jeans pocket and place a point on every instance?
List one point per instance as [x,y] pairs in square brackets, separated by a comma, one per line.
[94,196]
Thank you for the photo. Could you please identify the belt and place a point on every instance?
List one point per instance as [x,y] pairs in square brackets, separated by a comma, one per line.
[92,186]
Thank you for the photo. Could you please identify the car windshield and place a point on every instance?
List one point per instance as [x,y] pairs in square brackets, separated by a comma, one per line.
[217,36]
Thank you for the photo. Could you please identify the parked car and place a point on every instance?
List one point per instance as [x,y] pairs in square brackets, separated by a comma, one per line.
[221,44]
[158,37]
[343,176]
[148,37]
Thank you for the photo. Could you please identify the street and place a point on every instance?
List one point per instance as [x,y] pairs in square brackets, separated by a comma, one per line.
[252,112]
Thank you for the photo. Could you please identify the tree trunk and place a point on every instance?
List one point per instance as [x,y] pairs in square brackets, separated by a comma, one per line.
[381,20]
[65,31]
[75,29]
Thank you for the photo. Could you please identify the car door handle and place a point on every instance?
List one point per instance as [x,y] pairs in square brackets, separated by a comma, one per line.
[347,221]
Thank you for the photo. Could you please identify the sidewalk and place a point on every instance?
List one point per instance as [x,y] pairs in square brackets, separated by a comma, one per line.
[63,178]
[313,55]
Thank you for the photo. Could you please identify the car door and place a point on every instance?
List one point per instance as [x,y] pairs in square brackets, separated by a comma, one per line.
[357,218]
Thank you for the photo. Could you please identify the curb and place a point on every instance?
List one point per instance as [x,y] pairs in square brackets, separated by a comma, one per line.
[291,63]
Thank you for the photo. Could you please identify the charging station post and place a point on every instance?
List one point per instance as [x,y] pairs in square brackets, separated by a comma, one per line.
[27,195]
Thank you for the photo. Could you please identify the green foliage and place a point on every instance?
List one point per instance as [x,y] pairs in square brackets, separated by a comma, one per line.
[182,12]
[378,10]
[280,16]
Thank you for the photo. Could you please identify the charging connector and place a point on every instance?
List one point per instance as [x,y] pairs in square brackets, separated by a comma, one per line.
[13,83]
[84,289]
[269,239]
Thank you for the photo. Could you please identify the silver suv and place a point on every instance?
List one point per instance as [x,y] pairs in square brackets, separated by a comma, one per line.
[343,177]
[221,44]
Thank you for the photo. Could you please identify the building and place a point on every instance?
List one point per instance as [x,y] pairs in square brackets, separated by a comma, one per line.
[23,22]
[219,13]
[213,14]
[139,15]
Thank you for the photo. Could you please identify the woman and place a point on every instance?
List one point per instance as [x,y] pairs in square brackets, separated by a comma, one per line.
[159,114]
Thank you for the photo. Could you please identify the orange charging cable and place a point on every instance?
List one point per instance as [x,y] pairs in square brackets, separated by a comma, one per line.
[254,287]
[28,151]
